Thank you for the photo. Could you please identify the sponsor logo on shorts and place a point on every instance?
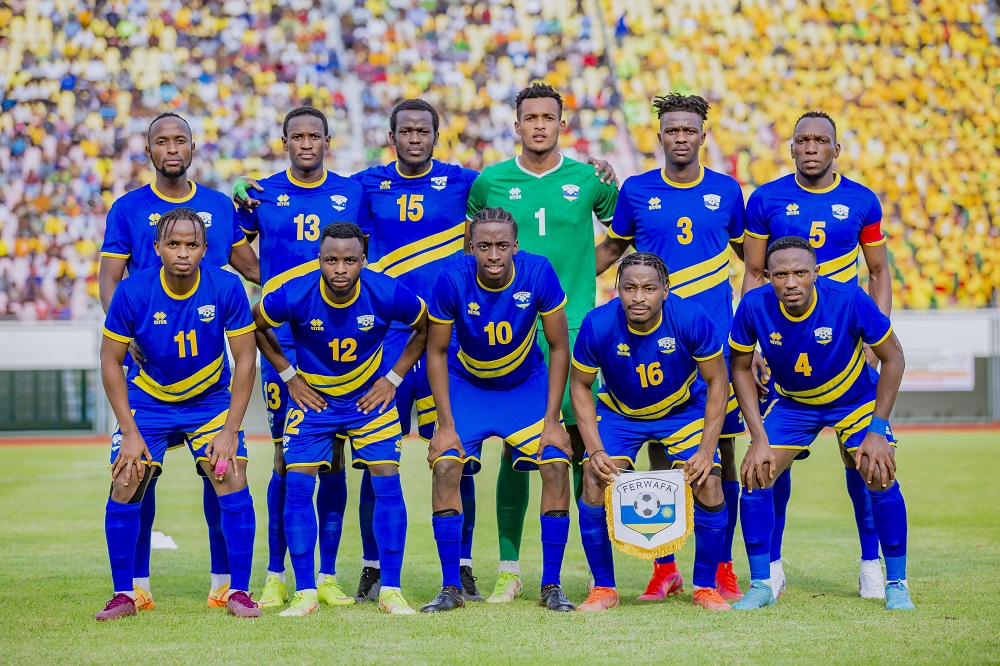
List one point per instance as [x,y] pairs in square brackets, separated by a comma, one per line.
[339,201]
[712,201]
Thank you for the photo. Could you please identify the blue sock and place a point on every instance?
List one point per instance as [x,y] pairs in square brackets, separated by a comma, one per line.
[468,489]
[709,535]
[276,546]
[366,509]
[238,527]
[596,544]
[331,502]
[889,513]
[757,509]
[300,527]
[217,548]
[782,490]
[666,559]
[390,526]
[140,569]
[731,491]
[555,534]
[121,527]
[448,534]
[858,490]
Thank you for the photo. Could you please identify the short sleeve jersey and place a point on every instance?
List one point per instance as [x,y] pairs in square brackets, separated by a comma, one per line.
[182,337]
[647,375]
[131,225]
[815,358]
[689,226]
[836,220]
[339,346]
[496,329]
[555,218]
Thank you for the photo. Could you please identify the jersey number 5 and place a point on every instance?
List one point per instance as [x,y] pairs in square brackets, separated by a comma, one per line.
[817,235]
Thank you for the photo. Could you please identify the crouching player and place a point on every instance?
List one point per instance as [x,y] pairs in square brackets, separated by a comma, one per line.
[180,315]
[497,385]
[811,331]
[650,349]
[339,316]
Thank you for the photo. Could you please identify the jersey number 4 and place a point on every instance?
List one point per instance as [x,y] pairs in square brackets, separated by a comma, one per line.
[802,364]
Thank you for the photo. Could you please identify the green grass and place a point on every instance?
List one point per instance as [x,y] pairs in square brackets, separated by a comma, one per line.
[56,576]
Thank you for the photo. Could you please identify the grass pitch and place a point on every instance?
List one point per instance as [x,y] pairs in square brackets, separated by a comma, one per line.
[56,576]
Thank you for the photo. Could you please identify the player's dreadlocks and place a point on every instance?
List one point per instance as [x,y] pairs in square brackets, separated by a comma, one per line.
[492,214]
[168,114]
[644,259]
[819,114]
[537,90]
[414,105]
[305,111]
[167,221]
[343,230]
[677,102]
[789,243]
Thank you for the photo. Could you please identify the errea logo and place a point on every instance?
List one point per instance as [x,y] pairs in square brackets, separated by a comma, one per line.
[654,203]
[385,184]
[522,298]
[154,219]
[365,322]
[474,308]
[160,318]
[316,324]
[792,209]
[339,201]
[515,193]
[776,339]
[623,349]
[283,200]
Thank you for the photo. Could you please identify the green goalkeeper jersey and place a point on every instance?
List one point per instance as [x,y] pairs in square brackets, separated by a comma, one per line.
[554,213]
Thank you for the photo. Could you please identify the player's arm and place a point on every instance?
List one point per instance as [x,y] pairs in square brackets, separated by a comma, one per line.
[304,395]
[445,436]
[609,251]
[133,448]
[111,272]
[603,170]
[759,452]
[557,336]
[754,254]
[223,447]
[244,261]
[881,463]
[737,247]
[241,192]
[713,371]
[580,383]
[879,281]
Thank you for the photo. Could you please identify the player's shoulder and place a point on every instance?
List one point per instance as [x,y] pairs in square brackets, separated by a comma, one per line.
[718,180]
[604,316]
[140,282]
[856,189]
[212,196]
[759,298]
[379,284]
[776,187]
[334,181]
[499,170]
[220,276]
[459,268]
[846,291]
[642,181]
[683,309]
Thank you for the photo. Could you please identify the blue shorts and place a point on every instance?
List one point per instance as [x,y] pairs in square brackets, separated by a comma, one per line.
[166,425]
[515,415]
[277,401]
[308,439]
[678,433]
[795,425]
[414,389]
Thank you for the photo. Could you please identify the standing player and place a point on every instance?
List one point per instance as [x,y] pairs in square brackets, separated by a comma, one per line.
[128,244]
[349,312]
[811,331]
[554,200]
[650,349]
[836,215]
[293,208]
[689,216]
[496,384]
[180,316]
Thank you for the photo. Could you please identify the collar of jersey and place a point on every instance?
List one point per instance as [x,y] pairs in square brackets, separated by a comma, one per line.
[513,274]
[299,183]
[419,175]
[807,312]
[178,297]
[823,190]
[517,161]
[658,322]
[357,290]
[683,186]
[194,187]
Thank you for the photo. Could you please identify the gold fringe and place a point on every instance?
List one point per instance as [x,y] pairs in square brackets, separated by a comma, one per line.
[668,548]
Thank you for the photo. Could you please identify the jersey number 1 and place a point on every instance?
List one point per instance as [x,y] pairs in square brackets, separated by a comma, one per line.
[540,216]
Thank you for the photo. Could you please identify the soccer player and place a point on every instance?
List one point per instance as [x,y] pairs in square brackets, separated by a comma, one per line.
[293,207]
[496,384]
[690,217]
[339,328]
[811,331]
[180,315]
[837,215]
[554,200]
[128,245]
[650,347]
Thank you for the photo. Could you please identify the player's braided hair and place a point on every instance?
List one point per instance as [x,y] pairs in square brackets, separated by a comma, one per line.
[492,214]
[677,102]
[644,259]
[789,243]
[414,105]
[343,230]
[305,111]
[167,221]
[818,114]
[168,114]
[538,90]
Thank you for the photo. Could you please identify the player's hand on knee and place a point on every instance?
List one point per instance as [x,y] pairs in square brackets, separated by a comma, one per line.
[604,467]
[444,440]
[131,452]
[305,396]
[752,472]
[222,453]
[603,170]
[698,468]
[761,374]
[379,395]
[241,192]
[136,353]
[881,461]
[553,434]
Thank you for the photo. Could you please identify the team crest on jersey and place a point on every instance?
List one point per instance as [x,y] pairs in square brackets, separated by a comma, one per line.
[712,201]
[206,218]
[385,184]
[116,441]
[515,193]
[654,203]
[776,339]
[570,192]
[365,322]
[667,345]
[339,201]
[522,298]
[160,318]
[153,219]
[474,308]
[284,200]
[792,209]
[824,335]
[206,313]
[316,324]
[840,211]
[439,182]
[623,349]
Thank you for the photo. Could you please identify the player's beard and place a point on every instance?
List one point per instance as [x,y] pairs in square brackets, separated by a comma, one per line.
[180,172]
[416,166]
[819,175]
[341,293]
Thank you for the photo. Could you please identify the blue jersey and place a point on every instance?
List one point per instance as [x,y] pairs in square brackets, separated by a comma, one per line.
[689,226]
[131,225]
[835,219]
[415,224]
[817,358]
[182,337]
[496,329]
[647,375]
[338,347]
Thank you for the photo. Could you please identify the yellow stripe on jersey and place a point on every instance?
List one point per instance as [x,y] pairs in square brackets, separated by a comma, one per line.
[841,269]
[184,389]
[504,364]
[337,385]
[654,411]
[115,336]
[204,434]
[855,421]
[285,276]
[681,440]
[526,440]
[584,368]
[115,255]
[702,276]
[421,252]
[834,388]
[383,427]
[241,331]
[740,347]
